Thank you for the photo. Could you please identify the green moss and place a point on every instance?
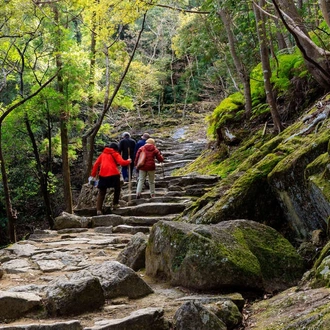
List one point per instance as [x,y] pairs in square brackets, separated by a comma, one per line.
[270,256]
[317,166]
[299,147]
[323,184]
[228,110]
[210,254]
[324,253]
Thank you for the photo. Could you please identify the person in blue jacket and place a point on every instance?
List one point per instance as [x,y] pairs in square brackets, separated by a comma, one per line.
[141,143]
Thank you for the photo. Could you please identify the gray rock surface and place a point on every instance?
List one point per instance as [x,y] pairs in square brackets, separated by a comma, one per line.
[237,254]
[193,315]
[16,304]
[134,254]
[74,297]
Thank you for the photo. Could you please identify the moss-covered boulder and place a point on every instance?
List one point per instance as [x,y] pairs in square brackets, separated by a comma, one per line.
[292,309]
[319,275]
[238,254]
[282,181]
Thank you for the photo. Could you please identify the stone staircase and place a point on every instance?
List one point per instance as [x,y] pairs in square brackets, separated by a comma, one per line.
[32,272]
[173,193]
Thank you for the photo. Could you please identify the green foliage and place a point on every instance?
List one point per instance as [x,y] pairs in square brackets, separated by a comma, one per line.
[285,67]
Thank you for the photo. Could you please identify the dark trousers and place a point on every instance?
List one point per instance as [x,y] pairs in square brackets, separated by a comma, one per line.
[104,183]
[124,171]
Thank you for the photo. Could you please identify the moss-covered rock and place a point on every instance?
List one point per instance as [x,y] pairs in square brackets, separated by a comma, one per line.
[291,310]
[233,254]
[281,181]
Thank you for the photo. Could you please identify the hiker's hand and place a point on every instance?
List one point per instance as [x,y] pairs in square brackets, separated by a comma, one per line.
[130,160]
[91,179]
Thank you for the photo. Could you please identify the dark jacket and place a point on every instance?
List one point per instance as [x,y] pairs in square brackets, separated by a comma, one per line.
[124,145]
[106,163]
[152,153]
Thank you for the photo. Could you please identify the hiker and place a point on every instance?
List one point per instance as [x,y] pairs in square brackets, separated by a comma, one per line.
[141,143]
[138,145]
[148,153]
[126,149]
[106,166]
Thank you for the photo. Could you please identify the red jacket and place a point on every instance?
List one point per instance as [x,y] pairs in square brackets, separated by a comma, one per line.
[106,163]
[151,153]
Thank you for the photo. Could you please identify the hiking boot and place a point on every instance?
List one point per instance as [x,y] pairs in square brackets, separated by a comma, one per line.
[116,207]
[152,196]
[138,196]
[98,212]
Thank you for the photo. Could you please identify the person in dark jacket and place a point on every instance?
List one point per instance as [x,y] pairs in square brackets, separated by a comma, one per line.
[106,167]
[149,166]
[126,149]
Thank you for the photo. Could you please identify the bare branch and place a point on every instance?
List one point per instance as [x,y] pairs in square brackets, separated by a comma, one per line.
[184,10]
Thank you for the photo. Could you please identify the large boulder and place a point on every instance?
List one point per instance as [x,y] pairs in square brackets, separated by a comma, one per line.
[193,315]
[68,220]
[134,253]
[117,280]
[292,309]
[74,297]
[234,254]
[283,182]
[142,319]
[14,305]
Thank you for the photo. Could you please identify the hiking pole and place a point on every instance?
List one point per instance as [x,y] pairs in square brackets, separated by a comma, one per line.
[162,166]
[129,177]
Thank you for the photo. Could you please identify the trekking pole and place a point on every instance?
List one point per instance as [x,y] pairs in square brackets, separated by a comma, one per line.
[129,177]
[162,166]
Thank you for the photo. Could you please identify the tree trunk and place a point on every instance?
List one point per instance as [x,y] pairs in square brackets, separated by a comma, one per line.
[64,117]
[261,31]
[11,214]
[43,179]
[325,8]
[88,141]
[240,68]
[316,58]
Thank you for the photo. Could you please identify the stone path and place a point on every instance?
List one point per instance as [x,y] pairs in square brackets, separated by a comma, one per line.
[59,258]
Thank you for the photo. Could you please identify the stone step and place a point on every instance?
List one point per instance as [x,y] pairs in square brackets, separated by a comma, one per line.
[151,209]
[200,180]
[145,198]
[108,220]
[127,229]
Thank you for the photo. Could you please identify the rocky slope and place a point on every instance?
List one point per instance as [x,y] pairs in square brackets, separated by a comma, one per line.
[50,280]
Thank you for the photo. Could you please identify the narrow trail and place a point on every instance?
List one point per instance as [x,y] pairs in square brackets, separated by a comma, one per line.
[31,269]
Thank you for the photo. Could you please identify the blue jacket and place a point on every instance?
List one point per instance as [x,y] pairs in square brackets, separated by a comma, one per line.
[138,145]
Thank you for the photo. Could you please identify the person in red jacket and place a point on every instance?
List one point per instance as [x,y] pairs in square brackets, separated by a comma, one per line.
[149,166]
[106,166]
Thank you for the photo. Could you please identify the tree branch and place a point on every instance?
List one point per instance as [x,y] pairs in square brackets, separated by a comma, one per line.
[16,105]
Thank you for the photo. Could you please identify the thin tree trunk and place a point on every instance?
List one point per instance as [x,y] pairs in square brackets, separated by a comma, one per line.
[261,31]
[42,175]
[240,68]
[325,7]
[64,117]
[172,81]
[316,58]
[11,214]
[88,141]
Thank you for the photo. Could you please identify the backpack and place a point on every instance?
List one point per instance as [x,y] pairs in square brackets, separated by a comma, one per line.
[142,159]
